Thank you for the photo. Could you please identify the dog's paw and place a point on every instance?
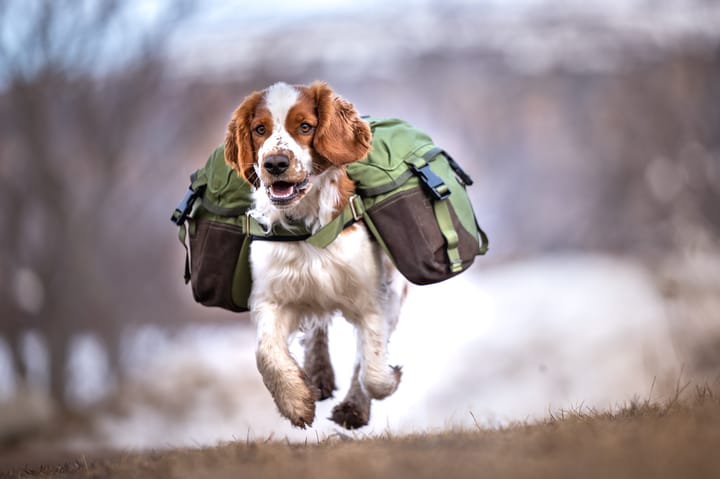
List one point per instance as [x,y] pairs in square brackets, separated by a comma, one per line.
[323,380]
[298,405]
[381,384]
[324,388]
[351,415]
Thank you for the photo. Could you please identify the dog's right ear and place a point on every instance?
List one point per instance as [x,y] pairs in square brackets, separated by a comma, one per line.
[239,150]
[342,136]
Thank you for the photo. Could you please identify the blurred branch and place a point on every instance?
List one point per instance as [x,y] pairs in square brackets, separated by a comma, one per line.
[76,78]
[81,37]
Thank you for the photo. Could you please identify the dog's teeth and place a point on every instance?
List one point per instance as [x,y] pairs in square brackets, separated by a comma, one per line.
[282,190]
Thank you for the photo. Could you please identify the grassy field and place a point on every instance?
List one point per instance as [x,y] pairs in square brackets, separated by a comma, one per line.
[676,439]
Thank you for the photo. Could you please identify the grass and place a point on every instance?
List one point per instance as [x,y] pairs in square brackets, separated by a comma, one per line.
[641,439]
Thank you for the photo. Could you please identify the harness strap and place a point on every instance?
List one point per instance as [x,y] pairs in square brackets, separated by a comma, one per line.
[353,211]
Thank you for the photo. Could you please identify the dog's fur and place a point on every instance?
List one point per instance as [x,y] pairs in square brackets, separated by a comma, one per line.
[291,143]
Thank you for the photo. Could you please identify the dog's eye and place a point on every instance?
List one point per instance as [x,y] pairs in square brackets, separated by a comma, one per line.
[260,130]
[305,127]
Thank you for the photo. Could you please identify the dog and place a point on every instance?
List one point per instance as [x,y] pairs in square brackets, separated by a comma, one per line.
[292,144]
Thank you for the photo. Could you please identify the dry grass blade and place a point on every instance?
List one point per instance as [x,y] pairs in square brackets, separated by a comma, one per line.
[642,439]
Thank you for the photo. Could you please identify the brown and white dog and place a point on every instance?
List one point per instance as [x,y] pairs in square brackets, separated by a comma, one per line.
[292,143]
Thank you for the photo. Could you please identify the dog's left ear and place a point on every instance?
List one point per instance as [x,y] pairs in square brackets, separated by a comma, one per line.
[341,136]
[239,151]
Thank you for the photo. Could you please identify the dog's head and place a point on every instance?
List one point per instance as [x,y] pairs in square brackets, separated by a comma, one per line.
[280,138]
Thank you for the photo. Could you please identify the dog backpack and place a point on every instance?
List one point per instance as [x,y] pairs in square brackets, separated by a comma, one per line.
[410,194]
[214,209]
[414,194]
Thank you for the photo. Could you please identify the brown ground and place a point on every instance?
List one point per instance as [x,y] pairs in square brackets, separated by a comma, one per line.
[642,440]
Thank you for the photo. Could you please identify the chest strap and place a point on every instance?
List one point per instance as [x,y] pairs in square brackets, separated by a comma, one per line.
[353,211]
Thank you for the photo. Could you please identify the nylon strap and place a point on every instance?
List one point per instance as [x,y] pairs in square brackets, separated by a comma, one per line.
[182,236]
[442,214]
[484,239]
[352,212]
[432,153]
[386,188]
[416,161]
[257,231]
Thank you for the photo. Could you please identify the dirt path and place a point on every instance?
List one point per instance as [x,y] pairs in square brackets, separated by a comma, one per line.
[639,441]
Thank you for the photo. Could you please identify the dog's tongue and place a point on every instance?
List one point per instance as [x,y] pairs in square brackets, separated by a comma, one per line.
[282,189]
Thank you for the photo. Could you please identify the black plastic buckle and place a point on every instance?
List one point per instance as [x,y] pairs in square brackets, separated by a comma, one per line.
[431,181]
[183,209]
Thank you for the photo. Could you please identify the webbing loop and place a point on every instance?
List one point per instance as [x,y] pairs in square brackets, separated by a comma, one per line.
[452,241]
[182,236]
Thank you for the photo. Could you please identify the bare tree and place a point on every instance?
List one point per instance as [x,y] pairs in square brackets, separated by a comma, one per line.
[76,80]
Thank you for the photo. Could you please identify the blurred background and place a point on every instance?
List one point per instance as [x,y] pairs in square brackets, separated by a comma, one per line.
[591,128]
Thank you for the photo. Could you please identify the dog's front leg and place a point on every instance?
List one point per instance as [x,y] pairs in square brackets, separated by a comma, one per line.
[281,374]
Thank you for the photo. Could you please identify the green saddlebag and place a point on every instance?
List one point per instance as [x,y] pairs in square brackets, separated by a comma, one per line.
[416,204]
[214,209]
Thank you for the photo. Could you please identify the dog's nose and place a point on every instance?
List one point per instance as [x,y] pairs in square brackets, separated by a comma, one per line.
[276,164]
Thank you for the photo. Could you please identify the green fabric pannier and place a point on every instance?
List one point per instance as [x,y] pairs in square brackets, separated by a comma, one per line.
[409,192]
[414,194]
[214,209]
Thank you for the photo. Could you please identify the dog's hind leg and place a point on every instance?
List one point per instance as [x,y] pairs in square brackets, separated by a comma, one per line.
[354,411]
[317,365]
[378,379]
[288,384]
[374,327]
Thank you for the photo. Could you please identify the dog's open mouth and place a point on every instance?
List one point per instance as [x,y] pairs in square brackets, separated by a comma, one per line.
[284,192]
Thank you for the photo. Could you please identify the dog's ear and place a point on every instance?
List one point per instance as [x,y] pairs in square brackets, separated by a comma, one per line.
[239,150]
[341,136]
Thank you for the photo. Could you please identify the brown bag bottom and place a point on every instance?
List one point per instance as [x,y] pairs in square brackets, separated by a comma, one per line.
[215,250]
[406,223]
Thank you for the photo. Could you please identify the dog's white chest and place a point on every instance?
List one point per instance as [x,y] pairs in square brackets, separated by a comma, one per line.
[299,275]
